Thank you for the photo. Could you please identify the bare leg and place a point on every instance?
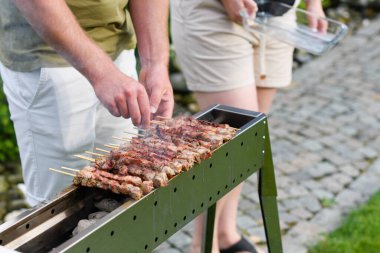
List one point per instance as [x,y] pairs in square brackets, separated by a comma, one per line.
[227,226]
[245,98]
[197,234]
[265,97]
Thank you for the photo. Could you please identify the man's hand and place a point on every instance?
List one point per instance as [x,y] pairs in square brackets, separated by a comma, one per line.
[315,7]
[233,8]
[123,96]
[157,84]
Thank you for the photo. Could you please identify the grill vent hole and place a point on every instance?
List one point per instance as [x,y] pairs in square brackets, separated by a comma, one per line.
[226,186]
[193,177]
[52,211]
[210,198]
[210,165]
[88,249]
[233,181]
[112,233]
[175,224]
[241,174]
[134,217]
[241,144]
[1,242]
[27,226]
[155,203]
[175,189]
[146,246]
[166,232]
[193,212]
[227,154]
[156,239]
[218,192]
[256,134]
[202,204]
[184,217]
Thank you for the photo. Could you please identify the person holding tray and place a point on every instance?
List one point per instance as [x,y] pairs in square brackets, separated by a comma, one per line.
[225,64]
[69,73]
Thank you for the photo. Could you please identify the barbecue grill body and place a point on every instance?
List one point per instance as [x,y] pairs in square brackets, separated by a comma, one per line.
[140,226]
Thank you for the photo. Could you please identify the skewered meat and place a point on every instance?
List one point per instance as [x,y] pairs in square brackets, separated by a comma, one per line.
[86,177]
[121,178]
[137,167]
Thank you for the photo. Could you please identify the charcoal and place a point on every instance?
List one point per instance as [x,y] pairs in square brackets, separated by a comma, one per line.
[107,205]
[82,225]
[97,215]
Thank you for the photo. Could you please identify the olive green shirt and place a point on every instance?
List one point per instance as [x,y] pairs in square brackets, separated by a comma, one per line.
[107,22]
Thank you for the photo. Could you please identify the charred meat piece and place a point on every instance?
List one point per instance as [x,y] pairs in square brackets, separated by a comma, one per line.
[89,179]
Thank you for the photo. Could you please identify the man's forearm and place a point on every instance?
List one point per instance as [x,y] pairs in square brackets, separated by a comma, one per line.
[56,24]
[150,19]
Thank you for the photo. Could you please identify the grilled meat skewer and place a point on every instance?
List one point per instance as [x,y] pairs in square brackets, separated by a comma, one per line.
[87,178]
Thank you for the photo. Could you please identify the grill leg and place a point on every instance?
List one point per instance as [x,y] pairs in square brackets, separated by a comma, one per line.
[267,195]
[208,230]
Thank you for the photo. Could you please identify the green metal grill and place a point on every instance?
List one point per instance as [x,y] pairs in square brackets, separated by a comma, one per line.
[140,226]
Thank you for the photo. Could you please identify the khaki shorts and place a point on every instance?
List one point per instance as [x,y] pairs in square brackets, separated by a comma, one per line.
[217,55]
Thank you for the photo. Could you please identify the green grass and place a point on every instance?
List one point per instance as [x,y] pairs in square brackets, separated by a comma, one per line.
[359,233]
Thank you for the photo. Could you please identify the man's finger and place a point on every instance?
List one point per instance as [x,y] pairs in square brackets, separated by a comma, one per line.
[134,111]
[143,101]
[123,107]
[167,105]
[113,109]
[155,99]
[165,110]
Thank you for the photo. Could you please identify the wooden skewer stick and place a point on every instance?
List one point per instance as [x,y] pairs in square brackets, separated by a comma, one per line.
[157,122]
[110,146]
[103,150]
[120,138]
[62,172]
[162,117]
[85,158]
[92,153]
[66,168]
[140,129]
[141,135]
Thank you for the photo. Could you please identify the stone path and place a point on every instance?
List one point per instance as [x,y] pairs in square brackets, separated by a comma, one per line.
[325,133]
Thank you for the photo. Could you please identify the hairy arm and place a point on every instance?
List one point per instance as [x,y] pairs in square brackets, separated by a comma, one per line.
[56,24]
[150,19]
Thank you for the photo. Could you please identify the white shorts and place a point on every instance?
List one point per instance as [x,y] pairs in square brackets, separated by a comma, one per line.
[216,54]
[56,115]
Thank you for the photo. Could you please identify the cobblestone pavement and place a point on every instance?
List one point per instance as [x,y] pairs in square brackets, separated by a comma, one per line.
[325,134]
